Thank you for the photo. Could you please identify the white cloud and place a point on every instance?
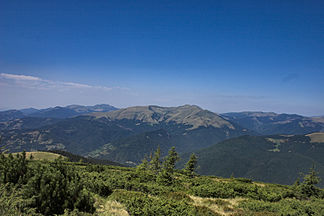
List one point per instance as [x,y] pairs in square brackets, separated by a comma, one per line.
[43,84]
[19,91]
[19,77]
[76,85]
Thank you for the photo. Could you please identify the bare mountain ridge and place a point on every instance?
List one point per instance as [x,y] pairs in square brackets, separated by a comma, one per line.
[190,115]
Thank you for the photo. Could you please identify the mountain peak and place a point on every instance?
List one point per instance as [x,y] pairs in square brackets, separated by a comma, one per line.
[187,114]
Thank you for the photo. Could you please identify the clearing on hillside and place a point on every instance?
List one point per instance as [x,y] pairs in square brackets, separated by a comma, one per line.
[316,137]
[42,155]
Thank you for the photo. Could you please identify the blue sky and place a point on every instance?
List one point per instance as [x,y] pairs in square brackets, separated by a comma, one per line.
[221,55]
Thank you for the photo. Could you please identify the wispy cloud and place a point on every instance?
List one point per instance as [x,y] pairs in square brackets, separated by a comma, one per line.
[19,77]
[21,91]
[43,84]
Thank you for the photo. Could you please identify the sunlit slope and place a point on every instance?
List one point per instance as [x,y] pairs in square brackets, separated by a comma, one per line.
[42,156]
[316,137]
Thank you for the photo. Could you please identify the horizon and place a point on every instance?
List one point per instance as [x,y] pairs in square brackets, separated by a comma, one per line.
[242,111]
[222,56]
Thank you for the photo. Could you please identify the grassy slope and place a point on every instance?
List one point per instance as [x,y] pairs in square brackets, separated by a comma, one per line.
[42,155]
[316,137]
[51,156]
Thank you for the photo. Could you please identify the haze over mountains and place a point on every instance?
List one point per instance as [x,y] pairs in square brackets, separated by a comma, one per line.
[272,123]
[54,112]
[226,143]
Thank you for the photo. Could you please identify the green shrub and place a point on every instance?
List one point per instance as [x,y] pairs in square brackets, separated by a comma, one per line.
[13,169]
[95,168]
[286,207]
[218,202]
[95,183]
[245,180]
[204,211]
[179,196]
[12,203]
[56,187]
[138,203]
[216,190]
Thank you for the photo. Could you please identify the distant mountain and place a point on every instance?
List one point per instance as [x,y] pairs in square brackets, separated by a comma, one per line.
[126,135]
[71,111]
[276,158]
[28,111]
[54,112]
[10,115]
[89,109]
[267,123]
[186,127]
[189,115]
[26,123]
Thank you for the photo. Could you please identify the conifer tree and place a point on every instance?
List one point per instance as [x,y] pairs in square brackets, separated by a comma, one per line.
[308,188]
[170,160]
[312,177]
[190,166]
[143,171]
[165,176]
[155,163]
[143,166]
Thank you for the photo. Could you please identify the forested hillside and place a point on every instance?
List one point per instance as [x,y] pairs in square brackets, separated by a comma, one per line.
[277,158]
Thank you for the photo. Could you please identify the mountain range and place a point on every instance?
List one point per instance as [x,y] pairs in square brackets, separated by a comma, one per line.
[54,112]
[263,146]
[268,123]
[126,134]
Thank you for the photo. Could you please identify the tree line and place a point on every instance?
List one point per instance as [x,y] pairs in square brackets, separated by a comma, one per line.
[164,168]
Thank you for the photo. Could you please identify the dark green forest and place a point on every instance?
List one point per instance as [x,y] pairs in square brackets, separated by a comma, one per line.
[276,158]
[155,187]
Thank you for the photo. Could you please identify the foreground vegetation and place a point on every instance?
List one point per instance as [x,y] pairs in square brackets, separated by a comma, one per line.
[59,187]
